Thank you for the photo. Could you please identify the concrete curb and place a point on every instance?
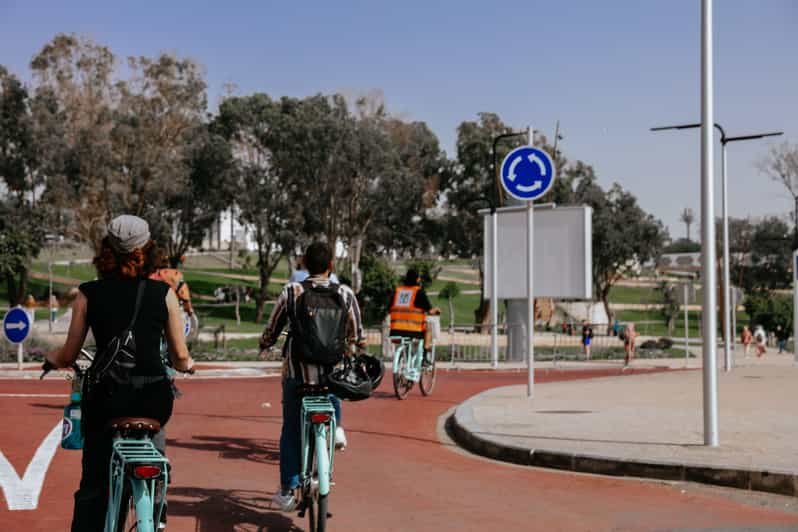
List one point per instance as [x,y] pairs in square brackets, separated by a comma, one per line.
[464,430]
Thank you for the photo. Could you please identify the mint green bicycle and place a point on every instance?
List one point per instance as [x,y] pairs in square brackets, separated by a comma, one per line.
[318,430]
[138,472]
[409,366]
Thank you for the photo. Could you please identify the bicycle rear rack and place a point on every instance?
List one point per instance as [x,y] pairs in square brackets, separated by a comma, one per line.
[316,404]
[125,455]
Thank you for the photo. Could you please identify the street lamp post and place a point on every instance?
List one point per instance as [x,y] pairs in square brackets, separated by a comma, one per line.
[728,334]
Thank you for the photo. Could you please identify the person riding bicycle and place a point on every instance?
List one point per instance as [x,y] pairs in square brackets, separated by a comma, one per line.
[409,309]
[174,278]
[125,260]
[296,371]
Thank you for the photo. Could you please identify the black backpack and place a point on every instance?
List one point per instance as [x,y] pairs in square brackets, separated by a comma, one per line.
[318,325]
[116,360]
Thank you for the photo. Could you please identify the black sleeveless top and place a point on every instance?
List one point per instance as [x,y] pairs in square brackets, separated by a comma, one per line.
[110,309]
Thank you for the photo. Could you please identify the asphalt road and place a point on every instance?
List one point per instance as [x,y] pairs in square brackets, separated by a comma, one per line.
[397,474]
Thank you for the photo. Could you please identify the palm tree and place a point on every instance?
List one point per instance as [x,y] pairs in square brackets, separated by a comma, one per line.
[688,217]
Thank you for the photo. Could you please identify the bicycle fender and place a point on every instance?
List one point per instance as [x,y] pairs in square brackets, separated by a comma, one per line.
[322,460]
[144,505]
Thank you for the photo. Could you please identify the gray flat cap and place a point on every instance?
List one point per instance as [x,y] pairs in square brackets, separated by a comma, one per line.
[127,232]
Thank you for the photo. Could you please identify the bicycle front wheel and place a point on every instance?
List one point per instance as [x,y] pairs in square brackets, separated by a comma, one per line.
[427,381]
[401,385]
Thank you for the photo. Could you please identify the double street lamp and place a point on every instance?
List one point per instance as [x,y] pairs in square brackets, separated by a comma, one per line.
[727,334]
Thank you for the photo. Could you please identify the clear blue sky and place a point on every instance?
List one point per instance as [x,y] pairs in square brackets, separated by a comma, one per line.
[608,70]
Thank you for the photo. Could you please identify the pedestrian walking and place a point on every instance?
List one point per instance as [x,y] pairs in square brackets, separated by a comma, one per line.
[761,340]
[53,307]
[629,336]
[781,338]
[587,336]
[746,338]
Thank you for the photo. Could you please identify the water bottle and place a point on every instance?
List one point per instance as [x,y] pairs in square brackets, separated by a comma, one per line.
[71,437]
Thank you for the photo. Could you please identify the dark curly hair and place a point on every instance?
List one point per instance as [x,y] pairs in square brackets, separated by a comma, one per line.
[140,263]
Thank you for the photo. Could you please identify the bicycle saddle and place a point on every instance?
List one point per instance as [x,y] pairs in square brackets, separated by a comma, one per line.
[134,424]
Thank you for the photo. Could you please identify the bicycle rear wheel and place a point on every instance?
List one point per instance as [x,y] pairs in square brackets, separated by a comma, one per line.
[401,385]
[427,381]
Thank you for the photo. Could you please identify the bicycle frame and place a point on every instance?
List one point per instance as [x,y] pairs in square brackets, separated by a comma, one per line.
[126,454]
[321,435]
[414,347]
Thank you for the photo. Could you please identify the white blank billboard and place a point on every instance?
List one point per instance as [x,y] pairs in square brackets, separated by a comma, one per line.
[562,254]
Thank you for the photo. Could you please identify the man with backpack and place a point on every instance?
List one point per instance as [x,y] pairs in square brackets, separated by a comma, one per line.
[324,320]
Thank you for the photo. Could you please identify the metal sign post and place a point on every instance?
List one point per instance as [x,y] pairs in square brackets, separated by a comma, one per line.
[530,295]
[494,291]
[527,173]
[795,304]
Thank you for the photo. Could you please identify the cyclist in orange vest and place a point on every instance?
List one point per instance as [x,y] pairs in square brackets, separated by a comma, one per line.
[174,278]
[409,308]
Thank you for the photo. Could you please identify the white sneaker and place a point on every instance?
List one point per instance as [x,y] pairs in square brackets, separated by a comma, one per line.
[340,439]
[284,501]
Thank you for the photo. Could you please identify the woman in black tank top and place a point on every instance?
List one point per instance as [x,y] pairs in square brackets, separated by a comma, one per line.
[127,257]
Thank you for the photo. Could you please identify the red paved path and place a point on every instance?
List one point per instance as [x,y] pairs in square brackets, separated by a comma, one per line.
[396,474]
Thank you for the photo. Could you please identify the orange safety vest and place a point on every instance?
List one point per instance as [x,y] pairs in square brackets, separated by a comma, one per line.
[405,316]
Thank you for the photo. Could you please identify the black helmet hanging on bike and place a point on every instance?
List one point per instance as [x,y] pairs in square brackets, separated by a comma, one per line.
[357,378]
[373,367]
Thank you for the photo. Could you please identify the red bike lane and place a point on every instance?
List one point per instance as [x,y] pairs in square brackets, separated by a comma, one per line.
[395,475]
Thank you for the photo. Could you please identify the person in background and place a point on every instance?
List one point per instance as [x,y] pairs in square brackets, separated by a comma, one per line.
[409,308]
[301,273]
[746,338]
[629,336]
[761,341]
[174,278]
[587,336]
[53,307]
[781,338]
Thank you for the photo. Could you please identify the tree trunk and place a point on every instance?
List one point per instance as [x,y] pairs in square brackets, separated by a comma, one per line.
[260,300]
[238,306]
[17,288]
[795,221]
[605,300]
[451,314]
[355,251]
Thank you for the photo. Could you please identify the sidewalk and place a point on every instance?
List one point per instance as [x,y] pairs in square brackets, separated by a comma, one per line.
[647,426]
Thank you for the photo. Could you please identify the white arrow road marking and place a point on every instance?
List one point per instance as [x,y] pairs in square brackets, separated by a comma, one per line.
[534,159]
[21,325]
[513,164]
[23,493]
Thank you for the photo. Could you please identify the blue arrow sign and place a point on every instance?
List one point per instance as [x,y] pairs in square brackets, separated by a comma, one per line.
[16,325]
[527,173]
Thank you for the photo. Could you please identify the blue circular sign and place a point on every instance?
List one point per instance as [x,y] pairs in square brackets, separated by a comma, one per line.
[16,325]
[527,173]
[186,324]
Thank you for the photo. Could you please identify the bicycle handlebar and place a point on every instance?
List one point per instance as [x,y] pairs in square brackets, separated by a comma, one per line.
[47,367]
